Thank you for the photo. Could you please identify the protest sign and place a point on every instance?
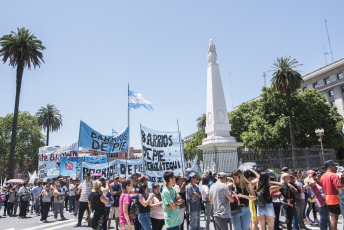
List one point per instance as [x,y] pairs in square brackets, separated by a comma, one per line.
[49,156]
[91,139]
[161,152]
[113,167]
[70,165]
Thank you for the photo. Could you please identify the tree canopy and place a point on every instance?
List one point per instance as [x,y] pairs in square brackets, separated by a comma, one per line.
[29,139]
[264,123]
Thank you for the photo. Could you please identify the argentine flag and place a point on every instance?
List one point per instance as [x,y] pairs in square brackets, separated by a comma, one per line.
[136,101]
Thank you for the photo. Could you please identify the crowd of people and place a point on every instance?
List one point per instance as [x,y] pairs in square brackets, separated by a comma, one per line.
[242,200]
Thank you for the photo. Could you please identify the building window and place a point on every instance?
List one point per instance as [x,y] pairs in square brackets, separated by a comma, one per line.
[327,81]
[315,85]
[340,76]
[304,88]
[333,103]
[330,93]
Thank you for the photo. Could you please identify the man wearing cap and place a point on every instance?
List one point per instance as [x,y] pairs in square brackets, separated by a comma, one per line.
[330,183]
[116,191]
[193,202]
[220,197]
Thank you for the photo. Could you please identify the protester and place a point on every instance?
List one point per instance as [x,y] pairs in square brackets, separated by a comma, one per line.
[330,183]
[46,203]
[266,213]
[24,195]
[134,194]
[144,208]
[219,196]
[85,190]
[65,189]
[193,196]
[97,201]
[296,210]
[170,202]
[36,191]
[320,203]
[6,191]
[276,201]
[77,200]
[59,197]
[125,221]
[180,189]
[17,202]
[116,191]
[288,199]
[157,213]
[244,189]
[208,212]
[300,197]
[11,200]
[71,193]
[311,199]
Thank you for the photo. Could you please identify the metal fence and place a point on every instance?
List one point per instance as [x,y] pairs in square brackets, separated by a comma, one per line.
[278,158]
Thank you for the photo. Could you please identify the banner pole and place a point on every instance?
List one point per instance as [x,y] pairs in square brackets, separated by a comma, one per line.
[143,161]
[180,146]
[128,151]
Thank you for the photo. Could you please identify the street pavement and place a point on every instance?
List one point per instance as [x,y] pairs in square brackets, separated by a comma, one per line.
[32,223]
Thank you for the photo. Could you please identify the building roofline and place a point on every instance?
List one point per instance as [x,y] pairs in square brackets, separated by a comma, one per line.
[324,69]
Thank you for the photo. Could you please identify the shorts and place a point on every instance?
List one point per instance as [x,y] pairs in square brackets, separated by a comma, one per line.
[114,210]
[335,209]
[267,210]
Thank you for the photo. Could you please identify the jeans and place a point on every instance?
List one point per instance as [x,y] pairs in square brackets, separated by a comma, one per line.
[173,228]
[289,212]
[324,221]
[195,220]
[222,223]
[296,214]
[58,209]
[144,219]
[241,221]
[209,214]
[277,208]
[71,204]
[37,206]
[302,211]
[10,206]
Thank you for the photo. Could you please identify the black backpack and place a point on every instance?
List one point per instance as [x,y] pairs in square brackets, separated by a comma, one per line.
[134,209]
[261,198]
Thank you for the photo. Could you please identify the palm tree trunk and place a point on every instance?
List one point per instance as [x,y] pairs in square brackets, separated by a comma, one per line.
[48,135]
[292,131]
[20,70]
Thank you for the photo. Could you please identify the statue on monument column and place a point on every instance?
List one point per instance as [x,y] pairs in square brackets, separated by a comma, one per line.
[212,56]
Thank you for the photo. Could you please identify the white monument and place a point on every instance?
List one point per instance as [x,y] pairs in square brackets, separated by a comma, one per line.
[219,147]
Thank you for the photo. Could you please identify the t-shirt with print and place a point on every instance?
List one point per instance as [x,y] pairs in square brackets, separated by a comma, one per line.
[329,182]
[58,199]
[12,197]
[71,192]
[172,218]
[218,193]
[86,189]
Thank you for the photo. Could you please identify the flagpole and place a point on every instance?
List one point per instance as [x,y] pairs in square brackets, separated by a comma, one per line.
[128,151]
[180,146]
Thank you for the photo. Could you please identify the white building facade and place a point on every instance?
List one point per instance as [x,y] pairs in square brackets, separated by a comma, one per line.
[329,81]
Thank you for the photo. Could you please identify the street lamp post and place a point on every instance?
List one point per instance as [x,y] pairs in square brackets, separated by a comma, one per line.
[320,134]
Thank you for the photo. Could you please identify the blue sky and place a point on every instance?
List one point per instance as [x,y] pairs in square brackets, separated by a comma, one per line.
[95,48]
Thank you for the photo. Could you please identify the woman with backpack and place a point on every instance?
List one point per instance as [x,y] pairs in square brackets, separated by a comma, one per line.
[125,221]
[265,208]
[24,197]
[145,200]
[241,216]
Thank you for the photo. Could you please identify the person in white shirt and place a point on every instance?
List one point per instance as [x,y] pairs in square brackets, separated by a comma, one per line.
[72,196]
[85,188]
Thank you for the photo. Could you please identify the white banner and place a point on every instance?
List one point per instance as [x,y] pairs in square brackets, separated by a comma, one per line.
[49,156]
[161,152]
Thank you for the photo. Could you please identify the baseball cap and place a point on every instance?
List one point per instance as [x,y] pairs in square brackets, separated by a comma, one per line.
[221,175]
[271,171]
[329,163]
[191,175]
[102,179]
[285,169]
[116,176]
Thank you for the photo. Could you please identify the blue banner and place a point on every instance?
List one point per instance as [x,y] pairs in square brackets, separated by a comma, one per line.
[70,165]
[91,139]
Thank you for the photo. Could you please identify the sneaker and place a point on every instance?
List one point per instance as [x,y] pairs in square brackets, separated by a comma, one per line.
[316,221]
[64,218]
[46,221]
[55,219]
[78,225]
[41,221]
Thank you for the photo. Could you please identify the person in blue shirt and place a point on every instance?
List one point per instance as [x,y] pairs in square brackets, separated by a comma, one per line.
[193,196]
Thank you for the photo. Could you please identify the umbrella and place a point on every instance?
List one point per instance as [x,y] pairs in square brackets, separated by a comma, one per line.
[97,175]
[248,165]
[15,181]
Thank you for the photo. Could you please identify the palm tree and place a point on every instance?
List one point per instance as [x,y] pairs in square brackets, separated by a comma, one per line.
[201,122]
[23,50]
[287,80]
[50,119]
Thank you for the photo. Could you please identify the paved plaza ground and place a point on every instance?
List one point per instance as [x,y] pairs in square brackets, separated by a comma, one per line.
[32,223]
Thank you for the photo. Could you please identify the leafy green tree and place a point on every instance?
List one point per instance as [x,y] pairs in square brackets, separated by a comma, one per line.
[29,139]
[287,80]
[201,121]
[23,50]
[50,119]
[190,150]
[264,123]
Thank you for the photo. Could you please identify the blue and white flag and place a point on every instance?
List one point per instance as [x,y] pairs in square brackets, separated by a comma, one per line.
[195,167]
[136,101]
[91,139]
[114,133]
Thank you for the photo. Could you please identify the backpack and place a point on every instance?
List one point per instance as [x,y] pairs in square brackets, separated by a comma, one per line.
[134,209]
[261,198]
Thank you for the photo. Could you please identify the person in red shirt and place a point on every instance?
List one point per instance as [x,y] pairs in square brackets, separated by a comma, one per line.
[330,183]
